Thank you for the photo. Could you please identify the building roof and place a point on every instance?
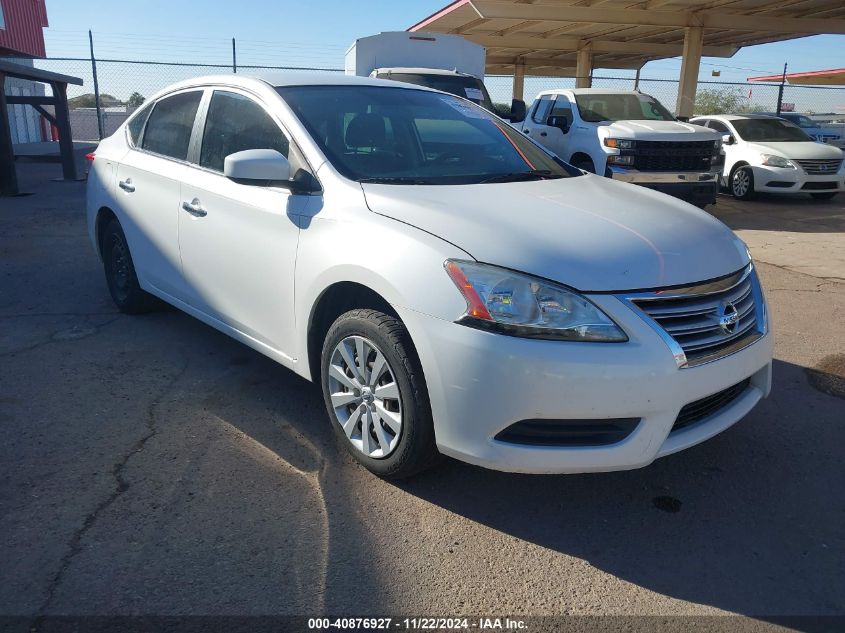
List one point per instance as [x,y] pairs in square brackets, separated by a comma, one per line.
[835,77]
[36,74]
[546,34]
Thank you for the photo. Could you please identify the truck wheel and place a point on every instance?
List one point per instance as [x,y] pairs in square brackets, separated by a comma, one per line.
[376,395]
[742,183]
[586,164]
[824,195]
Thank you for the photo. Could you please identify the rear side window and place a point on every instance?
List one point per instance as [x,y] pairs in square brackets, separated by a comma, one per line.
[168,130]
[137,123]
[236,123]
[541,110]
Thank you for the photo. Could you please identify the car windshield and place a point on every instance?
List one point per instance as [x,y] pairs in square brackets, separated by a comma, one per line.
[597,107]
[403,136]
[461,85]
[773,130]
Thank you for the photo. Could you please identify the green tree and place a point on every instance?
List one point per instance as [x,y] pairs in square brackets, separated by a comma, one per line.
[724,101]
[136,100]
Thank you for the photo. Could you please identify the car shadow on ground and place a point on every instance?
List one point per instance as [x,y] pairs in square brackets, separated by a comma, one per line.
[680,527]
[748,522]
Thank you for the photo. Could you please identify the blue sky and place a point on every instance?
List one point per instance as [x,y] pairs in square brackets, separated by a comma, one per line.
[318,33]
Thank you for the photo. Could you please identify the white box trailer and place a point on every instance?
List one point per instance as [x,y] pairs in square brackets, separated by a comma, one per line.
[403,49]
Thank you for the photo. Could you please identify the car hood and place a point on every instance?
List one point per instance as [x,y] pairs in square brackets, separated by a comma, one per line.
[659,131]
[588,232]
[800,150]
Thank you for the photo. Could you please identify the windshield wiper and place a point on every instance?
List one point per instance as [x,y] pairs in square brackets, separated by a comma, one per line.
[394,180]
[533,174]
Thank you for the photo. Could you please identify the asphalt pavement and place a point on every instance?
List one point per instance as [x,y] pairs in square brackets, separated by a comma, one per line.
[151,465]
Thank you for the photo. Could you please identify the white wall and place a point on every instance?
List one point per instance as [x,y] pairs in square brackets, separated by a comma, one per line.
[25,121]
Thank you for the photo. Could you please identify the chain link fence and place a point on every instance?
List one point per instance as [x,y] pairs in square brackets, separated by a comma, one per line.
[125,84]
[712,97]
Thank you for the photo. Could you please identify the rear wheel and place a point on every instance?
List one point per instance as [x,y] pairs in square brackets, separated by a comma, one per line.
[824,195]
[123,283]
[742,183]
[376,396]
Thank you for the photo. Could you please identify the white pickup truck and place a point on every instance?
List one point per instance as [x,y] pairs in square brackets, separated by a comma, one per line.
[629,136]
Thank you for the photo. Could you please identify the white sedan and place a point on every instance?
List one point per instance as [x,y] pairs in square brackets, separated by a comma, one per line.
[765,153]
[453,288]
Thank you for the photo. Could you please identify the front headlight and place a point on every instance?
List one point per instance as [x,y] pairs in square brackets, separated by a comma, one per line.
[775,161]
[619,143]
[507,302]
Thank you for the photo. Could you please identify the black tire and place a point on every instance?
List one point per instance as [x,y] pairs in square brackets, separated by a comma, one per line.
[741,183]
[415,449]
[120,273]
[586,164]
[824,195]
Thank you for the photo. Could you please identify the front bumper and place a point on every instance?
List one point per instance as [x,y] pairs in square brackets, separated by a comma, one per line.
[694,187]
[481,383]
[795,180]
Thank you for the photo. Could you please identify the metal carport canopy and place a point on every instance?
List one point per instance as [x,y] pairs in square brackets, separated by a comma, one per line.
[572,37]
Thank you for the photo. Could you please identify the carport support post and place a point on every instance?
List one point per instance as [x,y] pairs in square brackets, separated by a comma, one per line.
[8,175]
[584,67]
[519,80]
[65,135]
[693,42]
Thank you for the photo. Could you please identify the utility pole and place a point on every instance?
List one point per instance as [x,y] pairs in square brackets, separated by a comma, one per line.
[780,90]
[234,57]
[100,128]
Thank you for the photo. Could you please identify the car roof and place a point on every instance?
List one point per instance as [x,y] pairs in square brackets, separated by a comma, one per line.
[733,117]
[280,79]
[587,91]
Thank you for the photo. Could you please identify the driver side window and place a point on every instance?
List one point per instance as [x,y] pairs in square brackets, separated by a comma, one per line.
[541,110]
[563,110]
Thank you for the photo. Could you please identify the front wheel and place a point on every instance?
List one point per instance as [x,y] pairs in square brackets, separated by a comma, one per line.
[376,395]
[742,183]
[824,195]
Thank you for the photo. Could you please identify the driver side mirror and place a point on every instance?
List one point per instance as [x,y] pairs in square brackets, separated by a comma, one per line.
[560,122]
[257,166]
[728,139]
[518,111]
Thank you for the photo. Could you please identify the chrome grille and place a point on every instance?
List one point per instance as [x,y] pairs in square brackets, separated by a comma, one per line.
[820,167]
[708,321]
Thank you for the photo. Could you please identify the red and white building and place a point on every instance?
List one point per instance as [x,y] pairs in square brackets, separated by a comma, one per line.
[22,37]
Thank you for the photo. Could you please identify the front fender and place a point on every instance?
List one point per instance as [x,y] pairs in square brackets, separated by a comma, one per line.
[400,263]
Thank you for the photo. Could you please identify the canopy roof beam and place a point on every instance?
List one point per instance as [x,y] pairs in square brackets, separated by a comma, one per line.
[489,9]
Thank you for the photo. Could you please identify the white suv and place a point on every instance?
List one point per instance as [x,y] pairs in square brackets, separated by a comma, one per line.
[452,286]
[764,153]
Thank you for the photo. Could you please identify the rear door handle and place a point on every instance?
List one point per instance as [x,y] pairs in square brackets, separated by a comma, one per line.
[126,185]
[543,134]
[195,208]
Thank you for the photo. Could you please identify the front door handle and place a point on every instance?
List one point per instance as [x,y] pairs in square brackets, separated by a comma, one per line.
[543,134]
[126,185]
[195,208]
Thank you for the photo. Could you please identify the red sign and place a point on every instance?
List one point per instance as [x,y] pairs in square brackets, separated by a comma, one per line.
[787,107]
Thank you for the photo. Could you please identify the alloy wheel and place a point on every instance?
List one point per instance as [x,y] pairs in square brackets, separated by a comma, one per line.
[365,396]
[741,183]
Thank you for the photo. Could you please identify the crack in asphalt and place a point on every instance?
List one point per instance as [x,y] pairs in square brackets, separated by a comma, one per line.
[74,545]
